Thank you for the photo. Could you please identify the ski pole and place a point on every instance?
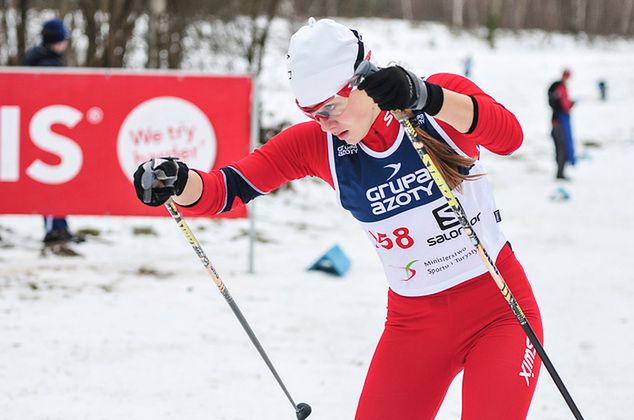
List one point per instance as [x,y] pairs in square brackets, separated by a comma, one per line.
[302,410]
[150,179]
[366,68]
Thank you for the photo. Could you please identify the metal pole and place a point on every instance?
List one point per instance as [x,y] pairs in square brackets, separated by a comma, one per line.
[255,136]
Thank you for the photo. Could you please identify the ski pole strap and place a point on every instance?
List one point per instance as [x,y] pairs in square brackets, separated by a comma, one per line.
[147,180]
[155,176]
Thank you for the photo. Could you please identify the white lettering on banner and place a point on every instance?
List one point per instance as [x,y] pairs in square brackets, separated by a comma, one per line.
[166,126]
[9,143]
[68,151]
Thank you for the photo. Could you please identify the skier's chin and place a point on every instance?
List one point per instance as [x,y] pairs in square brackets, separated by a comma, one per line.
[349,138]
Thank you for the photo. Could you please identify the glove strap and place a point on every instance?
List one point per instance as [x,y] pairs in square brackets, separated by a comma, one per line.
[429,96]
[419,91]
[435,98]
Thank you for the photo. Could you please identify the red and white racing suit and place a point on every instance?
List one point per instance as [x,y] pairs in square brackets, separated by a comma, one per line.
[445,313]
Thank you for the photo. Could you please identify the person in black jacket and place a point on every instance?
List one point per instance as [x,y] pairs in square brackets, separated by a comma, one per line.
[561,132]
[50,53]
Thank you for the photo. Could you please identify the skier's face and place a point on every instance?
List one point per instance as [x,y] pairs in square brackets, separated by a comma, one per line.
[355,119]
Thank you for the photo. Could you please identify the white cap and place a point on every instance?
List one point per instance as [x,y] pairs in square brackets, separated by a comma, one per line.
[320,60]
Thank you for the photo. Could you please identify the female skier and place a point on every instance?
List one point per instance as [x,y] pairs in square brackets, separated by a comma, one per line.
[445,313]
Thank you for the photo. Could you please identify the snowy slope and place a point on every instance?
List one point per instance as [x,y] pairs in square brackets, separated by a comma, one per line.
[139,331]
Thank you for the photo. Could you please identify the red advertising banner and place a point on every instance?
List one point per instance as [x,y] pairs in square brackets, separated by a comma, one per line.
[71,140]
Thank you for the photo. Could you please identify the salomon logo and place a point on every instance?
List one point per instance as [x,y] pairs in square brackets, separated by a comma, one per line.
[447,221]
[445,217]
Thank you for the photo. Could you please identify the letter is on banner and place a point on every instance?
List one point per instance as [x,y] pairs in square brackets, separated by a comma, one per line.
[64,147]
[9,143]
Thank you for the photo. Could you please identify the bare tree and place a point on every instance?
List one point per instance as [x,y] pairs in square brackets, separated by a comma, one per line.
[4,53]
[105,27]
[408,10]
[22,7]
[155,9]
[581,7]
[520,9]
[456,15]
[626,21]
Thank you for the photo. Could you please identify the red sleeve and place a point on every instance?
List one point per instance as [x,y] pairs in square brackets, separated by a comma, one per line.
[495,127]
[564,100]
[300,150]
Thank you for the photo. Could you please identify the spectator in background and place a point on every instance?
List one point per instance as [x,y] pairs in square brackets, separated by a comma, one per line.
[603,89]
[50,53]
[468,64]
[561,129]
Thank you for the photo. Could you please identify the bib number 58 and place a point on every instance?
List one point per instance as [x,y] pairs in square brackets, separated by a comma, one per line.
[399,237]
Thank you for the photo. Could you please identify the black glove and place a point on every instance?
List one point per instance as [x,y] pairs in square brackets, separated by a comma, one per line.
[156,180]
[394,88]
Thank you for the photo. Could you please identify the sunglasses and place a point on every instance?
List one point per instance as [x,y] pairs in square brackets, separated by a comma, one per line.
[337,103]
[331,107]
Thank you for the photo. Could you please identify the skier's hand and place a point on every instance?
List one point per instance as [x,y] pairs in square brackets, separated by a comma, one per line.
[156,180]
[394,88]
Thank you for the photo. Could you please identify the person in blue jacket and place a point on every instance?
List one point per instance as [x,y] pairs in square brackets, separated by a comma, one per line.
[50,53]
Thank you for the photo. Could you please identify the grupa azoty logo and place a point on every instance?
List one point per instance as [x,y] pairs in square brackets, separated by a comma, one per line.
[166,126]
[399,191]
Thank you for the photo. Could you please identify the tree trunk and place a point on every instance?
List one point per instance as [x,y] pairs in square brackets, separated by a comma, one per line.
[332,8]
[626,20]
[473,16]
[21,29]
[259,36]
[594,17]
[4,33]
[176,33]
[89,10]
[66,12]
[407,10]
[152,41]
[456,13]
[158,30]
[519,14]
[580,15]
[122,19]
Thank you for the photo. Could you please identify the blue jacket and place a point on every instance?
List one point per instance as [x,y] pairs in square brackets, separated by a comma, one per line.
[41,56]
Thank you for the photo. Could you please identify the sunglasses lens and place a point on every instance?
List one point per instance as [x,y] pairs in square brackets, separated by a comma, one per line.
[333,108]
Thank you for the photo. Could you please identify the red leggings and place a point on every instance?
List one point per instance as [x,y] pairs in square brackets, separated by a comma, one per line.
[428,340]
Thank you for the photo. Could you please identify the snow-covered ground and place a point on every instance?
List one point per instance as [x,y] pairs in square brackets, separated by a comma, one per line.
[135,329]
